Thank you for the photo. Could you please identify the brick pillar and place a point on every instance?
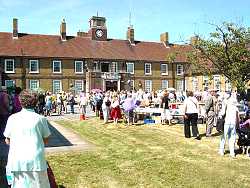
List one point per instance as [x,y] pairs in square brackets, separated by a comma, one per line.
[88,76]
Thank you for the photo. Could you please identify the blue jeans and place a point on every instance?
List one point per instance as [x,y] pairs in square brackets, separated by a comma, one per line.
[230,132]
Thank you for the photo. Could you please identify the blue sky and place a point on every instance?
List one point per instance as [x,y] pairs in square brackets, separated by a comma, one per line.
[181,18]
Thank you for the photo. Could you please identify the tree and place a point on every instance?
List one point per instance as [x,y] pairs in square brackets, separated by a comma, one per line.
[225,52]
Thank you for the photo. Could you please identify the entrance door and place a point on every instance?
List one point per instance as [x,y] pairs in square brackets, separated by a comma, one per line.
[111,85]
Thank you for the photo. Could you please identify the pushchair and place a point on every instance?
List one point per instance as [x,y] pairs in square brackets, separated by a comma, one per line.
[244,140]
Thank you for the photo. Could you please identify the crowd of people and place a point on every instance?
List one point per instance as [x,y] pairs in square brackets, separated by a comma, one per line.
[111,106]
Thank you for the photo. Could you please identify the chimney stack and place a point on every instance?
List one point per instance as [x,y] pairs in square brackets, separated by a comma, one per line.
[15,28]
[194,40]
[63,30]
[131,35]
[164,38]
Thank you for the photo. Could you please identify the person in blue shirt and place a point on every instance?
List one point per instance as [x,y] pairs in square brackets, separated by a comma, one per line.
[27,132]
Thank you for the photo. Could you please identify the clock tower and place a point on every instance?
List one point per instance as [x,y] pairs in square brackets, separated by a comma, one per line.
[98,29]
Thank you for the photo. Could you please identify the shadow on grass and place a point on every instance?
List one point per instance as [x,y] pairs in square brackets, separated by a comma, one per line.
[56,139]
[61,186]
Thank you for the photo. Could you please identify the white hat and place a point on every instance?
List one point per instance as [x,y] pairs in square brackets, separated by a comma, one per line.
[210,90]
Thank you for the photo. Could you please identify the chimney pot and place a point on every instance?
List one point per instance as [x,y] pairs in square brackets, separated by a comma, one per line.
[15,28]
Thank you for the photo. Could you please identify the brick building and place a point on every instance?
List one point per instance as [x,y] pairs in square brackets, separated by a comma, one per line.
[91,60]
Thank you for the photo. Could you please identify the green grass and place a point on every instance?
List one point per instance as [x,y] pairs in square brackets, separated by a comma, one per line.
[146,156]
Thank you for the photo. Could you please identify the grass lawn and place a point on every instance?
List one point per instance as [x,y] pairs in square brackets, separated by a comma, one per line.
[146,156]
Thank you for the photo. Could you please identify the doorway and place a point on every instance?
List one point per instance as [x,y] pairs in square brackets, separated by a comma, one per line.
[111,85]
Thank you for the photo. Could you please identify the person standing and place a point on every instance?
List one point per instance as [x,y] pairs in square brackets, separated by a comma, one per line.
[166,116]
[210,107]
[191,110]
[26,132]
[116,111]
[83,103]
[232,118]
[71,103]
[129,106]
[106,108]
[4,110]
[16,102]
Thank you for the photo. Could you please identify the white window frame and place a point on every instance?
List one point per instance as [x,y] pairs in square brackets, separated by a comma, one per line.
[162,83]
[5,82]
[133,65]
[145,65]
[182,68]
[206,82]
[164,73]
[150,87]
[97,66]
[30,84]
[53,83]
[81,82]
[195,83]
[228,84]
[179,87]
[216,79]
[37,62]
[81,72]
[60,66]
[5,65]
[114,64]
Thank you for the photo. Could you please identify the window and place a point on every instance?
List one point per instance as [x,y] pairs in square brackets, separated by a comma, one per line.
[148,69]
[179,85]
[114,67]
[228,85]
[78,86]
[9,66]
[34,66]
[179,69]
[164,84]
[195,83]
[57,67]
[131,84]
[130,68]
[78,67]
[9,83]
[34,85]
[164,69]
[205,82]
[105,66]
[148,85]
[96,67]
[217,82]
[57,86]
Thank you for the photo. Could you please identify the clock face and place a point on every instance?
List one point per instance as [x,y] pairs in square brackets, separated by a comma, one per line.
[99,33]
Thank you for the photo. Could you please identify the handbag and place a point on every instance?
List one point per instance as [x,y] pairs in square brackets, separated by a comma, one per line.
[220,122]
